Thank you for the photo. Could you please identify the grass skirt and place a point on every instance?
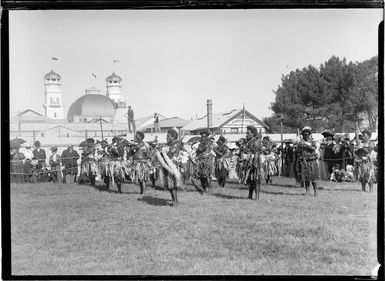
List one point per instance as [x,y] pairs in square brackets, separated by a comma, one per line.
[89,167]
[250,171]
[139,170]
[114,169]
[204,167]
[306,170]
[364,170]
[269,168]
[222,167]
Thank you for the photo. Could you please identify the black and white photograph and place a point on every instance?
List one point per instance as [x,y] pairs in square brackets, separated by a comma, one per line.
[183,142]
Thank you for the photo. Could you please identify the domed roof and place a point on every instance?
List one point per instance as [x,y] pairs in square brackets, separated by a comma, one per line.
[52,74]
[113,76]
[92,105]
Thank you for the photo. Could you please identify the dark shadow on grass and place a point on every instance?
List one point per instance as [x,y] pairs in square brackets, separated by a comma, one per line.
[283,193]
[112,189]
[345,190]
[154,201]
[225,196]
[286,185]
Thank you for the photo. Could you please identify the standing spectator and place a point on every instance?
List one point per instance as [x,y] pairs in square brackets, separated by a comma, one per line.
[337,149]
[17,167]
[28,157]
[288,154]
[156,123]
[40,156]
[328,155]
[55,163]
[347,153]
[69,159]
[130,119]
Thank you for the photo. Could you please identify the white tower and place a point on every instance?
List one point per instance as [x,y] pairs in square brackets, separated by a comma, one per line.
[114,90]
[53,96]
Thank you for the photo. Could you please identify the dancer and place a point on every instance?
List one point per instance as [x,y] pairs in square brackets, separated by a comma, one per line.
[222,154]
[306,161]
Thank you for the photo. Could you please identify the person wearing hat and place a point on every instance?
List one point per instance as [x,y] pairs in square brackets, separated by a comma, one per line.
[69,159]
[364,170]
[347,153]
[252,170]
[28,157]
[328,155]
[130,119]
[306,161]
[17,166]
[288,158]
[39,155]
[55,163]
[156,123]
[222,161]
[204,168]
[140,167]
[88,166]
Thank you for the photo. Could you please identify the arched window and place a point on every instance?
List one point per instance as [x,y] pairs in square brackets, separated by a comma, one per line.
[54,114]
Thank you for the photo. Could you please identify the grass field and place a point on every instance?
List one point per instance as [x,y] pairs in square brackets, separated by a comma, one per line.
[79,229]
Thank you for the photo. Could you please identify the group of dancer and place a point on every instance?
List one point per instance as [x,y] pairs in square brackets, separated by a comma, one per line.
[175,162]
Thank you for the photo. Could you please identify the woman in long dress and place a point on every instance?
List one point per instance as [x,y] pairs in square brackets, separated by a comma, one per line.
[323,169]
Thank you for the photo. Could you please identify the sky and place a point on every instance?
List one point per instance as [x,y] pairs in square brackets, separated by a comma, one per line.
[171,62]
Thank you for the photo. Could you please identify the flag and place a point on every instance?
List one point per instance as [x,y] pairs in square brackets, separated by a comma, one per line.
[94,75]
[115,60]
[53,58]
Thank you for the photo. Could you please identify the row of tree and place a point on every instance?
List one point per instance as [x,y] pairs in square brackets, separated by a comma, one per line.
[327,97]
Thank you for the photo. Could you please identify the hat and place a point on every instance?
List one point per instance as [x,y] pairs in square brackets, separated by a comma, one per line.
[205,132]
[15,145]
[288,141]
[362,152]
[327,133]
[54,148]
[252,129]
[173,133]
[70,145]
[306,129]
[337,137]
[367,132]
[104,143]
[140,134]
[90,140]
[37,143]
[222,139]
[28,144]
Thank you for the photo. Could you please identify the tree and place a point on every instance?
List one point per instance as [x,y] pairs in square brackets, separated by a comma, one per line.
[325,98]
[303,100]
[364,95]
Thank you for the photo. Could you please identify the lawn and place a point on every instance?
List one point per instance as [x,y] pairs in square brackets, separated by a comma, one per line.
[78,229]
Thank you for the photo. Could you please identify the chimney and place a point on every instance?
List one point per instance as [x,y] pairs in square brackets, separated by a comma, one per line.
[209,113]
